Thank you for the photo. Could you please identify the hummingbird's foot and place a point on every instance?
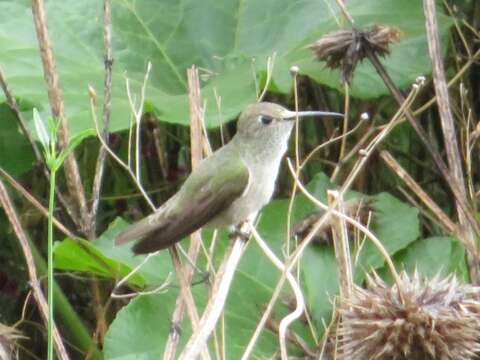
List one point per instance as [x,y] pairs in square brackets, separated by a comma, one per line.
[240,232]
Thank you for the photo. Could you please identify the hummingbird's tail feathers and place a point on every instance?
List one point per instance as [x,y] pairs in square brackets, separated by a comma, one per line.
[211,189]
[133,232]
[174,227]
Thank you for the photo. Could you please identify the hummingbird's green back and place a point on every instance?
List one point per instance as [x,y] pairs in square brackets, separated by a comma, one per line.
[210,189]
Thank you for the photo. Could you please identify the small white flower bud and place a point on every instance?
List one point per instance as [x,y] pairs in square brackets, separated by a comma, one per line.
[365,116]
[294,70]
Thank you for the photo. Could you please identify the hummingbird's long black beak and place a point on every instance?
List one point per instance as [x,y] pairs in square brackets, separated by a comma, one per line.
[292,115]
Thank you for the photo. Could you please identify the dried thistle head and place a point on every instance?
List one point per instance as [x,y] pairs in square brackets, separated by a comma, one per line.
[357,208]
[343,49]
[435,319]
[8,338]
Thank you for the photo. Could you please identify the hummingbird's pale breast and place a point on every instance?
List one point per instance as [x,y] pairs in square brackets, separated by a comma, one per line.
[262,158]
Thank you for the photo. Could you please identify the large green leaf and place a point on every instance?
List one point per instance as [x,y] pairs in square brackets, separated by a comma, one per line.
[81,255]
[434,256]
[395,224]
[103,258]
[141,328]
[220,37]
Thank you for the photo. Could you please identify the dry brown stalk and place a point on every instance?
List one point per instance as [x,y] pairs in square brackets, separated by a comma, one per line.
[196,140]
[216,302]
[450,136]
[72,173]
[342,247]
[12,216]
[71,169]
[421,194]
[107,108]
[32,200]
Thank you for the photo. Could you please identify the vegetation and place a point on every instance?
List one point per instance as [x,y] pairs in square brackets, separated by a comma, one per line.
[96,102]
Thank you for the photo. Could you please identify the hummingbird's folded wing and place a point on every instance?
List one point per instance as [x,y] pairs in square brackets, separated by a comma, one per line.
[209,190]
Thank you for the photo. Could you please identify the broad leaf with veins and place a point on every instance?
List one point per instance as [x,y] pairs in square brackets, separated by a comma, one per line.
[221,38]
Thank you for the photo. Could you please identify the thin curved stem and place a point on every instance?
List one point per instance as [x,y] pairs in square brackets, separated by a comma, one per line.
[300,307]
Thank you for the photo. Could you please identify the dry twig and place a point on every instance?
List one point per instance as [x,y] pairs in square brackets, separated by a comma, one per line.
[449,134]
[216,301]
[32,200]
[107,107]
[422,195]
[74,182]
[196,140]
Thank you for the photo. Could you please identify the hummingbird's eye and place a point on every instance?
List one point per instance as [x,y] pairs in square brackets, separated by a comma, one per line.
[265,119]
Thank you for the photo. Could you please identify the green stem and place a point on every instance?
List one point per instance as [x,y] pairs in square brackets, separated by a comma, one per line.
[74,330]
[51,204]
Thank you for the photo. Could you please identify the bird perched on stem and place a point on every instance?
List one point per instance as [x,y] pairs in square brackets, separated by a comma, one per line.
[229,186]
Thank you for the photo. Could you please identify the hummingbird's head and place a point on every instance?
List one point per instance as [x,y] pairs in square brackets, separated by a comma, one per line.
[262,118]
[267,120]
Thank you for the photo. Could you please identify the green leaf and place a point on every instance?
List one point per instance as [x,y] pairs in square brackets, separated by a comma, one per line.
[395,224]
[141,328]
[434,256]
[103,258]
[16,152]
[221,38]
[319,275]
[81,255]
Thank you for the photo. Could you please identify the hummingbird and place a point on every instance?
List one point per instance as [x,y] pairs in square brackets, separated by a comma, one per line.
[228,187]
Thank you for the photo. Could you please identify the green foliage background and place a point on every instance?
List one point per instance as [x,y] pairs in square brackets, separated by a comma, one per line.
[230,42]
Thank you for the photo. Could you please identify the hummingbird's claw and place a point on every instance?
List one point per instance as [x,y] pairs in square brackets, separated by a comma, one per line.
[238,232]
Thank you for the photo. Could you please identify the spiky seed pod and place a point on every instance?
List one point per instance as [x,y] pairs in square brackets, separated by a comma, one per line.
[8,338]
[345,48]
[436,319]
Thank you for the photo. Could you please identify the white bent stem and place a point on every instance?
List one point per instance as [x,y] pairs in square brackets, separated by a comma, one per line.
[216,303]
[287,320]
[125,279]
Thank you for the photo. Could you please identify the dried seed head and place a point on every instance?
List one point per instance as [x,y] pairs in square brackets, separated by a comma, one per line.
[345,48]
[8,339]
[437,319]
[357,208]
